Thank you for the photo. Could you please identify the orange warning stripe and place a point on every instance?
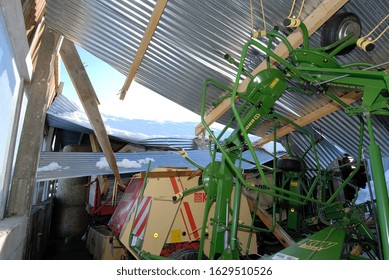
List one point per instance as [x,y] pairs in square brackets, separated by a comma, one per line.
[141,218]
[188,212]
[174,184]
[176,190]
[186,226]
[191,219]
[182,186]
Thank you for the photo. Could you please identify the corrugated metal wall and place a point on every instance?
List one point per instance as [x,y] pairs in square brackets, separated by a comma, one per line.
[57,165]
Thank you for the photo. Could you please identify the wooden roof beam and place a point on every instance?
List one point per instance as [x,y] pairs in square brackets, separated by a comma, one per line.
[87,95]
[313,22]
[144,44]
[348,98]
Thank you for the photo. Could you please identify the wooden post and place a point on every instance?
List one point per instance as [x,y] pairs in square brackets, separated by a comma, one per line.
[103,181]
[87,95]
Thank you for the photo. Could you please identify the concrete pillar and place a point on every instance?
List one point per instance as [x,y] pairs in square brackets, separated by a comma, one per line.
[12,234]
[70,218]
[23,181]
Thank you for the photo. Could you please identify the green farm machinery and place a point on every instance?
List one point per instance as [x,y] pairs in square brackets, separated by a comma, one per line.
[303,218]
[336,222]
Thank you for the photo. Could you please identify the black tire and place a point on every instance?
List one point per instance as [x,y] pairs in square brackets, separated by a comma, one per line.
[339,26]
[290,165]
[186,254]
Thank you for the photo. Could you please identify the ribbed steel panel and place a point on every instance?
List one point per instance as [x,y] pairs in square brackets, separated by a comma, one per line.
[181,54]
[302,147]
[338,135]
[62,105]
[72,165]
[344,131]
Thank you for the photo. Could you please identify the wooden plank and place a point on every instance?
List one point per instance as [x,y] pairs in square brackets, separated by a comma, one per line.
[307,119]
[33,12]
[35,41]
[86,93]
[313,22]
[267,219]
[57,63]
[152,25]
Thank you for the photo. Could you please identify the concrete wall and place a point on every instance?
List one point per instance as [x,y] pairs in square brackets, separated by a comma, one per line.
[10,83]
[12,238]
[15,67]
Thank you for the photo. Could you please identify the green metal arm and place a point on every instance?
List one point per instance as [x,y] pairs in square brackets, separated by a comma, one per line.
[310,66]
[230,159]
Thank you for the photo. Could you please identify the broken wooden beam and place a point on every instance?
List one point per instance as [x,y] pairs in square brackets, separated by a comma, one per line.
[87,95]
[144,44]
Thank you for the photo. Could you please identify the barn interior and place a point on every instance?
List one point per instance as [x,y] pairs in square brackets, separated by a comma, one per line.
[289,157]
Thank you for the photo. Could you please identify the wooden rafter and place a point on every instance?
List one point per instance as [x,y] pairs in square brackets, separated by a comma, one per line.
[267,219]
[87,95]
[311,117]
[153,23]
[313,22]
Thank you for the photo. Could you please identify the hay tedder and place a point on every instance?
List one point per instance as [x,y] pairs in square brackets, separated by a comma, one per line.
[272,211]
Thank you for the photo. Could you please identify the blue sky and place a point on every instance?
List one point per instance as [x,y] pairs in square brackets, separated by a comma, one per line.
[139,103]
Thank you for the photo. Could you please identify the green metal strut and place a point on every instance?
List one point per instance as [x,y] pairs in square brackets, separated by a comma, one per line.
[380,189]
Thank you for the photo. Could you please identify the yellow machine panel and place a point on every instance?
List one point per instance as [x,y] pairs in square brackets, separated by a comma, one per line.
[158,224]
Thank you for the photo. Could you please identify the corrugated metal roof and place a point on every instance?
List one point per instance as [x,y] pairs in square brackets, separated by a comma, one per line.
[60,165]
[343,131]
[182,53]
[336,134]
[302,147]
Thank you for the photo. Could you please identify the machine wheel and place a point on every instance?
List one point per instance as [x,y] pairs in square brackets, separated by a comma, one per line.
[186,254]
[339,26]
[290,165]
